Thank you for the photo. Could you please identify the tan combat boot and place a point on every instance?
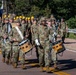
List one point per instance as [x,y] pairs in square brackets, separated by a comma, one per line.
[10,62]
[3,60]
[42,69]
[14,65]
[23,66]
[48,69]
[7,61]
[55,67]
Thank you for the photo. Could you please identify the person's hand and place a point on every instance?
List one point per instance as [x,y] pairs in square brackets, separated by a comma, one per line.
[14,39]
[37,42]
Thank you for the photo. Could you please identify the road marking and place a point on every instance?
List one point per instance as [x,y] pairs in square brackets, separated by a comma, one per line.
[70,50]
[60,73]
[52,70]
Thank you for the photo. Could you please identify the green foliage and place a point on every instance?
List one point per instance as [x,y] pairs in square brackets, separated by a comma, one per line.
[72,36]
[35,11]
[0,3]
[22,7]
[60,8]
[72,22]
[47,11]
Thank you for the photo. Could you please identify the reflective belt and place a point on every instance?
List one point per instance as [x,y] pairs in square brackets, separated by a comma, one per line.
[18,30]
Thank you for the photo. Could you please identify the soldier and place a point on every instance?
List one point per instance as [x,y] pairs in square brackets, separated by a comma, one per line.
[16,35]
[51,26]
[24,26]
[44,45]
[6,45]
[34,31]
[53,22]
[62,29]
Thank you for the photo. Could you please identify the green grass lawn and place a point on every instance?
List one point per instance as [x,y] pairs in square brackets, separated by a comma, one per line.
[71,35]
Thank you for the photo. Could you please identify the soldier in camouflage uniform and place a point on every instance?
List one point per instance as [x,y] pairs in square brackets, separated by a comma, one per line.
[34,31]
[15,39]
[6,45]
[44,45]
[53,22]
[24,26]
[62,29]
[52,28]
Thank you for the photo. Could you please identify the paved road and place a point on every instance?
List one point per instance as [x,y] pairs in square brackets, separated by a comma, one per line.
[67,65]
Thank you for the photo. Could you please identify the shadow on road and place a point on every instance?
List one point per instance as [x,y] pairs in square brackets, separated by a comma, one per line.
[67,64]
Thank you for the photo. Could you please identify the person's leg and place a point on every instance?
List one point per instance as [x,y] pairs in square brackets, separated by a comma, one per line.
[41,58]
[47,57]
[15,56]
[54,57]
[22,59]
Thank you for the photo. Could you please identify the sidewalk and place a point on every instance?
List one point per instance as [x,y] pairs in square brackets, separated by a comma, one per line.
[70,44]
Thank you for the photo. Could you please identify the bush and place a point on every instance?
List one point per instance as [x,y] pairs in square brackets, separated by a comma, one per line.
[72,22]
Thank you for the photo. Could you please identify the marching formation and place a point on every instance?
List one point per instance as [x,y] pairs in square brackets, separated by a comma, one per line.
[20,35]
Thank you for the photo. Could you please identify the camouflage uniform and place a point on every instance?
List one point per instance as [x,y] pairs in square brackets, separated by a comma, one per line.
[22,54]
[34,31]
[53,52]
[6,45]
[16,50]
[62,27]
[53,38]
[44,50]
[24,27]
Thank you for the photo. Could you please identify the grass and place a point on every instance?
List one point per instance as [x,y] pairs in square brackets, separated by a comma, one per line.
[71,36]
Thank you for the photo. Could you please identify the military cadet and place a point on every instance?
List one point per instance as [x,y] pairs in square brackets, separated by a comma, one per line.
[6,45]
[24,26]
[63,29]
[44,45]
[16,35]
[53,52]
[53,22]
[34,31]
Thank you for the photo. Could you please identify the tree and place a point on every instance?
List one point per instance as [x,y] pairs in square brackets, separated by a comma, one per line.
[35,11]
[0,3]
[47,11]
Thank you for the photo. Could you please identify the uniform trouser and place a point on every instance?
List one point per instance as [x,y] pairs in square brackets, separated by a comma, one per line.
[63,38]
[15,55]
[3,51]
[6,51]
[36,47]
[44,51]
[53,54]
[22,57]
[37,54]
